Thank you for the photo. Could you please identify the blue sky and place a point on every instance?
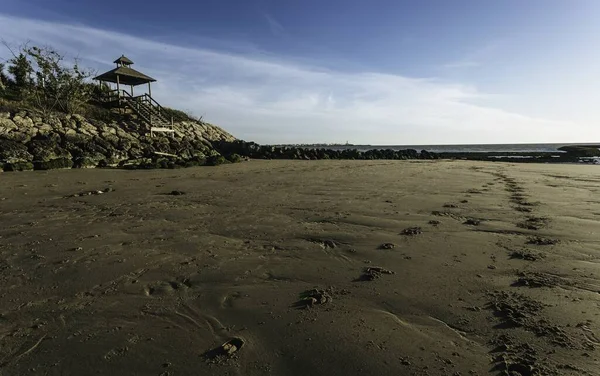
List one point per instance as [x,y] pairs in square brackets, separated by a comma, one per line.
[380,71]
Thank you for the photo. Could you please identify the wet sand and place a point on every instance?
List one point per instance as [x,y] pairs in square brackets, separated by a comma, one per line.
[307,267]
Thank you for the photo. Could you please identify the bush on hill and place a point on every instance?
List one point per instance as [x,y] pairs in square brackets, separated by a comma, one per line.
[40,77]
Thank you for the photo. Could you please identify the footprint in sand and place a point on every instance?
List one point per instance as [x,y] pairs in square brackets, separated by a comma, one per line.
[166,288]
[412,231]
[538,240]
[472,222]
[373,272]
[534,223]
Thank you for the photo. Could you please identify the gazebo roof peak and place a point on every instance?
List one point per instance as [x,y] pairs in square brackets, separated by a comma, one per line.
[123,60]
[124,74]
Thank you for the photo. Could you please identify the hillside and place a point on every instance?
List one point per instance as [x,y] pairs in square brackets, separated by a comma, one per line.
[31,141]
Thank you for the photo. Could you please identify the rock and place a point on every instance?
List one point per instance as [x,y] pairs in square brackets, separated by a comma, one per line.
[387,246]
[227,349]
[6,125]
[18,166]
[54,122]
[48,155]
[87,159]
[44,129]
[53,164]
[22,122]
[18,136]
[112,139]
[581,150]
[14,152]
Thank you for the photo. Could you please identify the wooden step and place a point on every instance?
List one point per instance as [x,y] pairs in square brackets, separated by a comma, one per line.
[161,129]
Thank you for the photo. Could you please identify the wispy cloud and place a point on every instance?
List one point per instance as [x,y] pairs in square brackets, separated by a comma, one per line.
[275,26]
[476,57]
[461,64]
[270,100]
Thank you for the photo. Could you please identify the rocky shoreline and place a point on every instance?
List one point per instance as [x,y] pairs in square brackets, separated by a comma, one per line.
[32,142]
[256,151]
[29,141]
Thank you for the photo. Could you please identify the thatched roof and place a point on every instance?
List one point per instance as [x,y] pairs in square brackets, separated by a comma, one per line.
[123,60]
[127,76]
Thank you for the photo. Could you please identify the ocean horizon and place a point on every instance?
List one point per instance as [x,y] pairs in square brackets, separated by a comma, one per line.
[465,148]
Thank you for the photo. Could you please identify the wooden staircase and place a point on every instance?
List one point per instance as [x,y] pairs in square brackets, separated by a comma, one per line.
[146,108]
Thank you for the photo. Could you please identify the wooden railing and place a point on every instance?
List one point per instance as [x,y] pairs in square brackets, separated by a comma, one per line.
[151,106]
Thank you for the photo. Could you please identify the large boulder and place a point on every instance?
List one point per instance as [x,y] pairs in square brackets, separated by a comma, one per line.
[23,122]
[14,156]
[6,126]
[86,159]
[48,155]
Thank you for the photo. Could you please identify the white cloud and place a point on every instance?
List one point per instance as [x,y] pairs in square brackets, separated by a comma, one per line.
[270,101]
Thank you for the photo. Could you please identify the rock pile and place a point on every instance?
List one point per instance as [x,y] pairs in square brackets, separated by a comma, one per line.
[29,141]
[253,150]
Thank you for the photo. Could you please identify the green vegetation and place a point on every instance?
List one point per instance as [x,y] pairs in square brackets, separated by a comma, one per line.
[40,79]
[178,115]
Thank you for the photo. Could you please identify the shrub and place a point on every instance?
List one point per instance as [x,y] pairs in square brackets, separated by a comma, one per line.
[41,77]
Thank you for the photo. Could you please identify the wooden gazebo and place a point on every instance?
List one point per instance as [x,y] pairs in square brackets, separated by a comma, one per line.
[147,109]
[124,75]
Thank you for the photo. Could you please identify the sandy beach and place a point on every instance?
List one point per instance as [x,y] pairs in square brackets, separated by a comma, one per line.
[302,268]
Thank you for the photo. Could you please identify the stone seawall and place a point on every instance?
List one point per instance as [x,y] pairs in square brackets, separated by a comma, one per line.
[29,141]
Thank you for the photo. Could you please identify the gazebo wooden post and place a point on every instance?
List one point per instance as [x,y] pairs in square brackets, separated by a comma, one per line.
[119,95]
[131,90]
[149,90]
[100,91]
